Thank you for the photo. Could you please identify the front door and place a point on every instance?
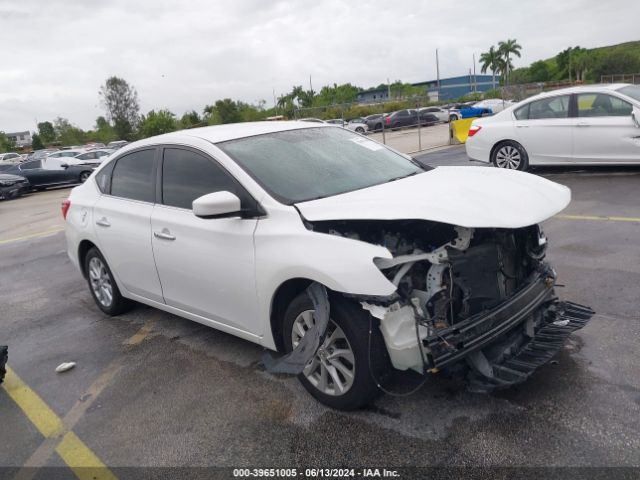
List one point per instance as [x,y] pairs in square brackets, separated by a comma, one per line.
[604,130]
[206,266]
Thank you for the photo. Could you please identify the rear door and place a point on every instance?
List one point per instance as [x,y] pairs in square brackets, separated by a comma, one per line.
[57,171]
[122,219]
[545,129]
[206,266]
[604,130]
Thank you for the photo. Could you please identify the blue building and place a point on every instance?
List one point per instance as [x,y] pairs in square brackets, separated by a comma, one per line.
[450,88]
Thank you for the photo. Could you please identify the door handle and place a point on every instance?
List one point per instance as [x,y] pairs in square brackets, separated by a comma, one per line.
[582,124]
[103,222]
[165,234]
[522,126]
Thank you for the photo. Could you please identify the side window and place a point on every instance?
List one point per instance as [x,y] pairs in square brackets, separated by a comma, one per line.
[103,177]
[602,105]
[133,176]
[53,164]
[554,107]
[522,113]
[34,164]
[187,175]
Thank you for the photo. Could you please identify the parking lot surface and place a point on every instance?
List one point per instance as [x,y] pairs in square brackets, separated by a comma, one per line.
[152,389]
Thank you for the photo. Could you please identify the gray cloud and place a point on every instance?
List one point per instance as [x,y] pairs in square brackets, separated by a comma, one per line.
[183,55]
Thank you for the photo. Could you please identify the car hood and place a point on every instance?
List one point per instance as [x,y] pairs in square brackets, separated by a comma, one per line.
[474,197]
[11,178]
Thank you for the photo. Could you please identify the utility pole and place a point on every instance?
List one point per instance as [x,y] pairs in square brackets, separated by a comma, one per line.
[275,104]
[438,74]
[310,85]
[388,89]
[475,80]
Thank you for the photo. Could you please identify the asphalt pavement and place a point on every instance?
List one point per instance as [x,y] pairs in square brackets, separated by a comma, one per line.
[152,389]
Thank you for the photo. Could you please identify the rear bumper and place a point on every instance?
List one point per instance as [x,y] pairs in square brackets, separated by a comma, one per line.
[476,152]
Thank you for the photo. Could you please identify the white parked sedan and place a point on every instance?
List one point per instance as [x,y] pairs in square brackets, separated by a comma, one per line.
[348,258]
[594,124]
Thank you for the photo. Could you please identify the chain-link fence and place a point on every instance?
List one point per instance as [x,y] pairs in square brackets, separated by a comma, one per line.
[409,126]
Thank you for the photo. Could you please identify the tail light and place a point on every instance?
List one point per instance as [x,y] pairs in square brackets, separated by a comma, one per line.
[65,207]
[474,129]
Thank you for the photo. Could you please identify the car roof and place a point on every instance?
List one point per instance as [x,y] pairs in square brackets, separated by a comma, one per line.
[232,131]
[596,87]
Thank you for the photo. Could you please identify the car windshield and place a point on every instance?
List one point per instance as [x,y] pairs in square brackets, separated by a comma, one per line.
[632,91]
[306,164]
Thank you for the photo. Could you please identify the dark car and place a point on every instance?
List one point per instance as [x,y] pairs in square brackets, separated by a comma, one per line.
[409,118]
[51,172]
[374,122]
[12,186]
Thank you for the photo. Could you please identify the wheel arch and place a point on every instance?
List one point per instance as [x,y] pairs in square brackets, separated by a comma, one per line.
[499,143]
[83,249]
[280,300]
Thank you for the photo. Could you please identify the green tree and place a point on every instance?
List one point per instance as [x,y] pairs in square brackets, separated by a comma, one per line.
[6,145]
[191,119]
[46,132]
[157,123]
[490,60]
[223,111]
[36,142]
[506,49]
[103,131]
[539,71]
[616,62]
[404,90]
[68,134]
[121,104]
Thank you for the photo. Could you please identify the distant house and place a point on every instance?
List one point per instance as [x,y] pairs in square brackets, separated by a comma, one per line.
[21,139]
[450,88]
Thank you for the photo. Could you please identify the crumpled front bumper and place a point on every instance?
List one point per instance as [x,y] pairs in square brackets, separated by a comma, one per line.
[506,344]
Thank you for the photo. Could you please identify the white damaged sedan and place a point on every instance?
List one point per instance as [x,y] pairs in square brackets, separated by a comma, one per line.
[349,259]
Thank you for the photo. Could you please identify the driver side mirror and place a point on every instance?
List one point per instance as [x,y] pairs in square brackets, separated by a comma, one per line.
[635,116]
[217,205]
[64,165]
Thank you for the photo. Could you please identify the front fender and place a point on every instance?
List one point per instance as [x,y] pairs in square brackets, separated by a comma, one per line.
[286,250]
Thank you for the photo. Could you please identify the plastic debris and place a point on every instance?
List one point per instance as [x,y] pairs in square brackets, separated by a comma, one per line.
[63,367]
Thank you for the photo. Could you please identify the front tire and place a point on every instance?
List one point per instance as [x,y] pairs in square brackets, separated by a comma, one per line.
[341,374]
[510,155]
[102,285]
[359,129]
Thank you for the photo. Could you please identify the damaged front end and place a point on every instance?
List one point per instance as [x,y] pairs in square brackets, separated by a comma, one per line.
[484,296]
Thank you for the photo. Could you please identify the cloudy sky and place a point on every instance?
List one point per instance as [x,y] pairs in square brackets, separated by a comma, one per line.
[183,55]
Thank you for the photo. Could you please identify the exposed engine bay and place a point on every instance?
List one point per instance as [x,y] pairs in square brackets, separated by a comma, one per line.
[482,295]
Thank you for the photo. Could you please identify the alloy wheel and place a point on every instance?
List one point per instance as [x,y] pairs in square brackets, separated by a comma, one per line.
[509,157]
[332,369]
[100,282]
[84,176]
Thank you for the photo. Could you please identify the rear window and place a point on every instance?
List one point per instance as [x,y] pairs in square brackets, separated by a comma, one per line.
[632,91]
[133,176]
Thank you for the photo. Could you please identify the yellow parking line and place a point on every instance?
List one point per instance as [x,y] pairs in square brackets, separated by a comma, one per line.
[32,405]
[83,462]
[46,233]
[598,218]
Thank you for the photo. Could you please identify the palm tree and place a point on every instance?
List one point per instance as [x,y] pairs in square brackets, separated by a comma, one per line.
[490,61]
[506,49]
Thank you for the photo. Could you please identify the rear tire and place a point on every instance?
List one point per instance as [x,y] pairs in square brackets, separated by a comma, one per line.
[348,330]
[102,285]
[510,155]
[84,176]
